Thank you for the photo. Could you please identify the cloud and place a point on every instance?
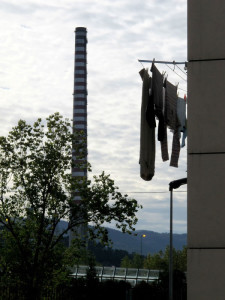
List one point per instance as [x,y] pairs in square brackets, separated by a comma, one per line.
[37,65]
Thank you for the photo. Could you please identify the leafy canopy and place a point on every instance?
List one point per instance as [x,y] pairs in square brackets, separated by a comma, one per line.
[37,191]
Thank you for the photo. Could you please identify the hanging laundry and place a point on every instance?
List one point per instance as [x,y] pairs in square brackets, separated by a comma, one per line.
[181,113]
[185,125]
[147,133]
[163,143]
[175,149]
[150,110]
[160,100]
[184,134]
[171,105]
[157,90]
[172,120]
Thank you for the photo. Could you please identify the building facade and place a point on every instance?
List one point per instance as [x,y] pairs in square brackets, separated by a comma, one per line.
[206,150]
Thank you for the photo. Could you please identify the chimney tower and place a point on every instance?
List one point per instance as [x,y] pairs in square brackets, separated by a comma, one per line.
[80,107]
[80,90]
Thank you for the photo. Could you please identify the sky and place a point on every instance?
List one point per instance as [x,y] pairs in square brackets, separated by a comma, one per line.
[36,79]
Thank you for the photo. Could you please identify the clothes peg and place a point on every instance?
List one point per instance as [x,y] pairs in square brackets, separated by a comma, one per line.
[174,65]
[153,62]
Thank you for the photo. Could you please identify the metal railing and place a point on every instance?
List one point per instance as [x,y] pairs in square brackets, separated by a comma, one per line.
[133,276]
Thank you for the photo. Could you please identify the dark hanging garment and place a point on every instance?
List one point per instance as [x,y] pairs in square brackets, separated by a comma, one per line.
[157,90]
[181,112]
[147,134]
[163,143]
[150,111]
[181,115]
[172,120]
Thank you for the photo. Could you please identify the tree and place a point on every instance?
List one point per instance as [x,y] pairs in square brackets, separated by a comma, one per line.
[179,258]
[137,261]
[37,191]
[126,262]
[160,260]
[155,261]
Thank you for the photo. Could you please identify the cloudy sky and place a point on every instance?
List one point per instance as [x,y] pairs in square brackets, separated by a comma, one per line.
[36,79]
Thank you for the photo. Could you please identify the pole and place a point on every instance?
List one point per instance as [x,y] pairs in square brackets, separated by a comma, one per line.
[142,236]
[172,185]
[171,248]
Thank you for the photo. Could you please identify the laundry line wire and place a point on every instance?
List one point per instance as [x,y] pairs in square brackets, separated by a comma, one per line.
[167,64]
[176,72]
[164,62]
[162,192]
[181,70]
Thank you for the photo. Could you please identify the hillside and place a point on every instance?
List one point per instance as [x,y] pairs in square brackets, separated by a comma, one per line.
[152,243]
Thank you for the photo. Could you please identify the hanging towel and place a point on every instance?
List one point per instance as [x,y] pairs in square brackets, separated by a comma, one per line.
[171,105]
[157,90]
[147,133]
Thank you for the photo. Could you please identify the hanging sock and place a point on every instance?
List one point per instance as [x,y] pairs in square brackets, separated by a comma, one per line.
[147,134]
[184,134]
[175,149]
[185,126]
[164,146]
[181,113]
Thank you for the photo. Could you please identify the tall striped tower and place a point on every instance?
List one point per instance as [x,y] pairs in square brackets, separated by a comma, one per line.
[80,90]
[80,105]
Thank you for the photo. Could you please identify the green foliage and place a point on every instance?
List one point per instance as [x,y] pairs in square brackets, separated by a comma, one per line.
[37,191]
[126,262]
[137,261]
[160,260]
[105,255]
[132,261]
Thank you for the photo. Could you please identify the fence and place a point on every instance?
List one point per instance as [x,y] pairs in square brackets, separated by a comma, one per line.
[132,276]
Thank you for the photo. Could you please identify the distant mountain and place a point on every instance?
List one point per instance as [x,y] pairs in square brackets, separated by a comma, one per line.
[152,243]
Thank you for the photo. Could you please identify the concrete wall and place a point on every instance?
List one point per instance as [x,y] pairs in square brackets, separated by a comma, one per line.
[206,150]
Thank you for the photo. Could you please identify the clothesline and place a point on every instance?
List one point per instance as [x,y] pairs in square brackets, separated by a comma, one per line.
[168,63]
[164,192]
[177,73]
[164,62]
